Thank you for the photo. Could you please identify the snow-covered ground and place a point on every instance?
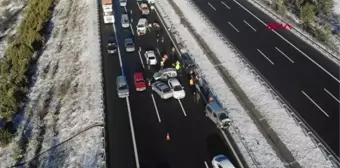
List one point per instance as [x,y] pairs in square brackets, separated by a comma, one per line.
[301,146]
[66,97]
[10,17]
[336,8]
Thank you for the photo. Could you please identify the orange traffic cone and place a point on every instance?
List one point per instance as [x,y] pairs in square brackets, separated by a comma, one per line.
[167,136]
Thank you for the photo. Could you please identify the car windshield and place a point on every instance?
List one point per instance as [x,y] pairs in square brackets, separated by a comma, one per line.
[140,25]
[220,158]
[129,44]
[177,88]
[152,57]
[111,43]
[222,116]
[139,80]
[111,47]
[123,87]
[165,90]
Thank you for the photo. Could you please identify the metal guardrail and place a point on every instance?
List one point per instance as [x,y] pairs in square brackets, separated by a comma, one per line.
[311,40]
[182,45]
[318,142]
[102,94]
[308,131]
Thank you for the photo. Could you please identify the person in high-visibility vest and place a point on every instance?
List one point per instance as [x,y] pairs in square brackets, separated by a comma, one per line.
[162,64]
[191,82]
[192,86]
[177,66]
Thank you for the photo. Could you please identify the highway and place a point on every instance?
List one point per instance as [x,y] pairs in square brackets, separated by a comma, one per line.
[303,77]
[195,140]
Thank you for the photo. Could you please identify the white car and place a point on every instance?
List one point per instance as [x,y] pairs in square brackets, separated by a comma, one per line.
[125,21]
[220,161]
[150,57]
[177,89]
[162,90]
[145,9]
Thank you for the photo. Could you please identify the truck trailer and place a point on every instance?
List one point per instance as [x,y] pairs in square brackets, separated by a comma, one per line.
[108,11]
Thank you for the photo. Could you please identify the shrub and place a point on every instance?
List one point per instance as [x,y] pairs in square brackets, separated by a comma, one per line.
[18,59]
[5,137]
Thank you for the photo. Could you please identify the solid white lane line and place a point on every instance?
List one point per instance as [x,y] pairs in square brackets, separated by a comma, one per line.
[265,56]
[141,60]
[233,26]
[249,25]
[154,103]
[225,5]
[159,53]
[336,99]
[118,50]
[314,103]
[211,6]
[133,33]
[125,9]
[284,54]
[138,5]
[290,44]
[232,149]
[132,132]
[206,164]
[180,103]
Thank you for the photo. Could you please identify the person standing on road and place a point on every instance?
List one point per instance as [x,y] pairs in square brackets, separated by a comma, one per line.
[178,68]
[198,97]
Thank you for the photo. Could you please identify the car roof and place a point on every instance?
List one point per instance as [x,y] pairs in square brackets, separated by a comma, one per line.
[141,20]
[174,81]
[144,4]
[129,39]
[125,15]
[138,75]
[150,53]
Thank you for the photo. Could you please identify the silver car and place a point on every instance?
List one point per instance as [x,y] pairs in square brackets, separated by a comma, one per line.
[165,74]
[125,21]
[129,45]
[162,90]
[122,87]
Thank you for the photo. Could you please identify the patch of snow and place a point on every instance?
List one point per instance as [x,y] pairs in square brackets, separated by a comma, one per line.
[302,147]
[10,18]
[336,8]
[66,97]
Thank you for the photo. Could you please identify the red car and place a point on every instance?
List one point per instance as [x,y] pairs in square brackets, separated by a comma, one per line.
[139,81]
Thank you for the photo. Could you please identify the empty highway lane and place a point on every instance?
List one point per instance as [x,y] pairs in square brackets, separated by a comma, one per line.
[304,78]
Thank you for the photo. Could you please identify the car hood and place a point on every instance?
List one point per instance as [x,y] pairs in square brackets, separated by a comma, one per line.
[140,85]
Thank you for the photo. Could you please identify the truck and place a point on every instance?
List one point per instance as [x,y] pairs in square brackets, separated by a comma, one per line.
[108,11]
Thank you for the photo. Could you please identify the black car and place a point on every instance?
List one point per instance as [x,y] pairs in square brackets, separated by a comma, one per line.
[111,45]
[189,64]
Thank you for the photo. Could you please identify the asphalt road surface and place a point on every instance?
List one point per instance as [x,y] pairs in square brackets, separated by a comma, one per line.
[194,138]
[308,80]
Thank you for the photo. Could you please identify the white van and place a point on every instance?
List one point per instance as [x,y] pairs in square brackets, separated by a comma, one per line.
[142,25]
[125,21]
[217,114]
